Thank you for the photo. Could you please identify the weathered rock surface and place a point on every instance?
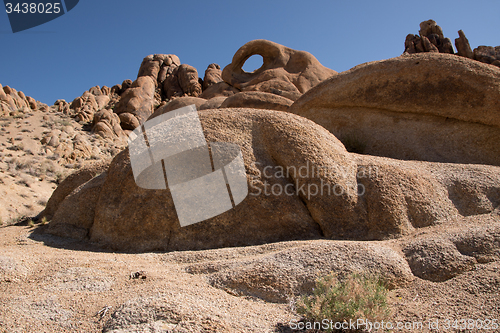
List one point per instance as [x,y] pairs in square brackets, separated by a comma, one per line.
[433,107]
[439,256]
[220,89]
[431,39]
[72,182]
[213,75]
[106,123]
[281,275]
[138,100]
[374,198]
[463,46]
[285,72]
[179,103]
[13,101]
[162,79]
[257,100]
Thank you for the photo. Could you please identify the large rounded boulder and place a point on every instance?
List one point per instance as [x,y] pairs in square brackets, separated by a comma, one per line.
[426,106]
[302,184]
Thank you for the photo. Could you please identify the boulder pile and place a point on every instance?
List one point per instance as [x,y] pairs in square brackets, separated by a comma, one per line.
[431,39]
[164,84]
[13,102]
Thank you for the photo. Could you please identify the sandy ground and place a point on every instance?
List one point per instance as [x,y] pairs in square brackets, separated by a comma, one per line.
[49,284]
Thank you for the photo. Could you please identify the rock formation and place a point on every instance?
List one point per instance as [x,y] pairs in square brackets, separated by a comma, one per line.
[426,106]
[13,101]
[374,198]
[164,83]
[431,39]
[213,75]
[285,72]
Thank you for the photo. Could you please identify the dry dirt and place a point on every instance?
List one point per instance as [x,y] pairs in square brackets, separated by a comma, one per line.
[50,284]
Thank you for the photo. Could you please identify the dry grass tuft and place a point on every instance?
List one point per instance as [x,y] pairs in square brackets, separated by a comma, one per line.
[355,297]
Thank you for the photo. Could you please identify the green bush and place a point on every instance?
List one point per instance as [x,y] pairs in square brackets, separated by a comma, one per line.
[355,297]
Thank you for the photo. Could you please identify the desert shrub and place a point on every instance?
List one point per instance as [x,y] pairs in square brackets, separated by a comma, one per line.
[44,221]
[17,147]
[62,122]
[355,297]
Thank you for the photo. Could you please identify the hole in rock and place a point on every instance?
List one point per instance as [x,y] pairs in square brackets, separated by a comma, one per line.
[253,63]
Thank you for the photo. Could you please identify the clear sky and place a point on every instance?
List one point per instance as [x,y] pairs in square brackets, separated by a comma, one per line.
[102,42]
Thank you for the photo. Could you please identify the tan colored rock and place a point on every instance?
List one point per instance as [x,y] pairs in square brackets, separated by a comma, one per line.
[138,99]
[188,80]
[428,46]
[430,27]
[391,108]
[14,99]
[126,84]
[171,86]
[439,256]
[285,72]
[213,75]
[106,90]
[69,184]
[463,46]
[179,103]
[96,91]
[84,107]
[285,273]
[81,202]
[3,95]
[116,89]
[487,54]
[102,101]
[81,147]
[128,121]
[430,39]
[32,103]
[146,91]
[62,106]
[374,198]
[220,89]
[106,123]
[257,100]
[213,103]
[7,104]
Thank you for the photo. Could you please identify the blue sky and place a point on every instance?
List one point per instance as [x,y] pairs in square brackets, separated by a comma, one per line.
[103,42]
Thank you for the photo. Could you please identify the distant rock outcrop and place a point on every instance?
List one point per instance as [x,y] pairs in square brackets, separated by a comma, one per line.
[163,84]
[431,39]
[284,72]
[13,102]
